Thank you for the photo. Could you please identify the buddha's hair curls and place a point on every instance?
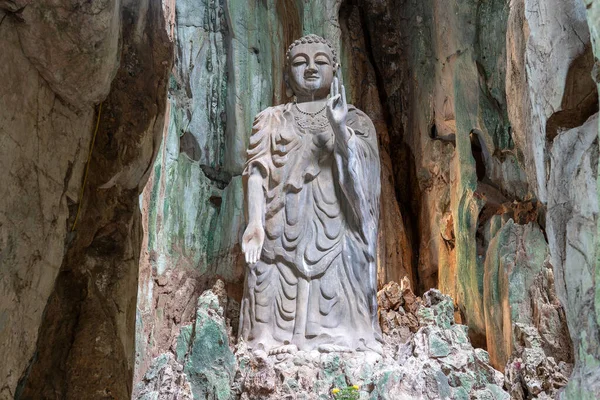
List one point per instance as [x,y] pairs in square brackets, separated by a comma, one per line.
[311,38]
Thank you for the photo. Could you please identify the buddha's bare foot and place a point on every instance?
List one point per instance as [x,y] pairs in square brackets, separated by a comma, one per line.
[285,349]
[334,348]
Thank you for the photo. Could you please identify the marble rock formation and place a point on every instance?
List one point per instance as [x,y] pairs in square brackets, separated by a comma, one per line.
[434,361]
[530,372]
[68,290]
[460,122]
[484,113]
[519,289]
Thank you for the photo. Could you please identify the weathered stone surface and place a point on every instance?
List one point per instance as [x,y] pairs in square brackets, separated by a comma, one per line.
[519,288]
[435,362]
[66,298]
[43,148]
[551,117]
[164,380]
[434,53]
[194,198]
[531,373]
[584,384]
[572,233]
[74,46]
[208,361]
[442,78]
[47,114]
[200,358]
[397,307]
[540,54]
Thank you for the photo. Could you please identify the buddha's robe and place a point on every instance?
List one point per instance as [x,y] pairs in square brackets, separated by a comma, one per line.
[315,282]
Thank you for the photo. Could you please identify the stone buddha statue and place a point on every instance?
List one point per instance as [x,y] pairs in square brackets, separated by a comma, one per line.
[312,180]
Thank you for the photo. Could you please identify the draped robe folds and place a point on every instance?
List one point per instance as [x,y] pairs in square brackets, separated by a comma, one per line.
[315,282]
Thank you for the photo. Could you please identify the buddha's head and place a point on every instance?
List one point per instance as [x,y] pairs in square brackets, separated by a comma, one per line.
[311,62]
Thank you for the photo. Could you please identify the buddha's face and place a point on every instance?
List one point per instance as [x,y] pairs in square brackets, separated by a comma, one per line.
[311,70]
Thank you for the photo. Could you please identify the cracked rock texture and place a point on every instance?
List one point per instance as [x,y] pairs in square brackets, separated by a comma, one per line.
[531,373]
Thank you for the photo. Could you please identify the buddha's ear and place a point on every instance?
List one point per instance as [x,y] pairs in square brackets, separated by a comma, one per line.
[288,89]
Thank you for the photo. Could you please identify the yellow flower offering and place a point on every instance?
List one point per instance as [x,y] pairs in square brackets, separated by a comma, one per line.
[335,390]
[355,387]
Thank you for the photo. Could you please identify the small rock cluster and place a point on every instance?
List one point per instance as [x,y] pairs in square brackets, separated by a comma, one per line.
[164,380]
[426,356]
[530,374]
[398,310]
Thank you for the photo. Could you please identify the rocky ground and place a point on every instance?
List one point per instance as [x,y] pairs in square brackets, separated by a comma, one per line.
[426,356]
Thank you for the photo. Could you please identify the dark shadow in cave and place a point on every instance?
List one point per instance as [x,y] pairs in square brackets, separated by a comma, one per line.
[402,159]
[580,98]
[188,145]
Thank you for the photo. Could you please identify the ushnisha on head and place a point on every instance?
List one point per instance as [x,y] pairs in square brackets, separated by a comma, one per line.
[311,63]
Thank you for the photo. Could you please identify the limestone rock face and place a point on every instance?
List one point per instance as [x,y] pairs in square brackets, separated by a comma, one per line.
[443,78]
[519,288]
[584,382]
[67,297]
[572,230]
[481,96]
[485,113]
[203,364]
[45,131]
[540,81]
[75,48]
[557,130]
[164,380]
[43,144]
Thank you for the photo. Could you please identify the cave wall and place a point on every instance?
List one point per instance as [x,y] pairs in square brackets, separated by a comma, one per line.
[487,124]
[47,115]
[576,253]
[504,89]
[67,303]
[471,101]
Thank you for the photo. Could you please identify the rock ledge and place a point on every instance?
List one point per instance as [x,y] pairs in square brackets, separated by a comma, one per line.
[426,356]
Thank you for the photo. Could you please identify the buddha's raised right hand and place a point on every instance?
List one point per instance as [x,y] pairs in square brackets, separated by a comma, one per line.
[337,111]
[252,242]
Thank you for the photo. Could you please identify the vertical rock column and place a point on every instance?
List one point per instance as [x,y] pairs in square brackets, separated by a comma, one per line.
[443,80]
[585,381]
[47,98]
[72,320]
[555,99]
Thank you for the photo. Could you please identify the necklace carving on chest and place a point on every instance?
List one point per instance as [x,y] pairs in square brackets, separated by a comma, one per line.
[311,120]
